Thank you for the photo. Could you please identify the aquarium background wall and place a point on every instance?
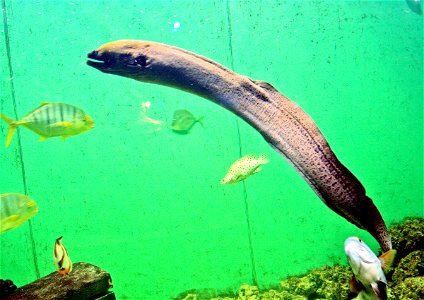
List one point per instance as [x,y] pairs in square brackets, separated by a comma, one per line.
[147,206]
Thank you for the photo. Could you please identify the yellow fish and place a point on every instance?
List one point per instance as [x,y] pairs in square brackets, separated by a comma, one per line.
[62,262]
[183,121]
[15,209]
[244,167]
[50,120]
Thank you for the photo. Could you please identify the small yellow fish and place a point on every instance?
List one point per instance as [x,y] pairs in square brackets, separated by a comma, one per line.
[183,121]
[62,262]
[50,120]
[244,167]
[15,209]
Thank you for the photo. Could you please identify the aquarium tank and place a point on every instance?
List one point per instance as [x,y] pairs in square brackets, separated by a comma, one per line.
[142,197]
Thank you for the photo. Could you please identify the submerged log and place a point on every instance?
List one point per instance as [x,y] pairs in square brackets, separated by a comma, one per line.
[84,282]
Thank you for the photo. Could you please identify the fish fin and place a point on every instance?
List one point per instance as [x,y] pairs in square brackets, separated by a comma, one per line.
[380,289]
[263,158]
[44,103]
[257,169]
[355,285]
[8,120]
[42,138]
[11,218]
[12,126]
[62,124]
[265,85]
[387,259]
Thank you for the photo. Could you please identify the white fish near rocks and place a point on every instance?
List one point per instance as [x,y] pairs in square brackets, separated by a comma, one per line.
[369,280]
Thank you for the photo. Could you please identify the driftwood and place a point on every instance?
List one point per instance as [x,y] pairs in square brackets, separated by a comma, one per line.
[84,282]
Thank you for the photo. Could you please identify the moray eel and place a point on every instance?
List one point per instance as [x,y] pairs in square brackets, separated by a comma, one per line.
[283,124]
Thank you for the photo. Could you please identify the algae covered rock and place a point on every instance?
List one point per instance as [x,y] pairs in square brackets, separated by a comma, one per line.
[323,283]
[405,280]
[411,288]
[411,265]
[247,292]
[407,236]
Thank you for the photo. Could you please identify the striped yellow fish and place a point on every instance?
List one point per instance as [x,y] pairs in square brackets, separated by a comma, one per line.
[61,259]
[15,209]
[50,120]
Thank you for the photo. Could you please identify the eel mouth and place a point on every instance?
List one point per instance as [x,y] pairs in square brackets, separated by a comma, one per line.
[98,61]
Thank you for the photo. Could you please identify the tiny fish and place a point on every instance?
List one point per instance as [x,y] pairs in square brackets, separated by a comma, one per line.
[183,121]
[15,209]
[157,124]
[62,262]
[244,167]
[368,278]
[50,120]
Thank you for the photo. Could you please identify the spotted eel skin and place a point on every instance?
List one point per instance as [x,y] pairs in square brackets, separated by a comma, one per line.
[282,123]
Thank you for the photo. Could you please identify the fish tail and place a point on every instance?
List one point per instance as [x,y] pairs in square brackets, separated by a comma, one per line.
[12,126]
[263,158]
[200,120]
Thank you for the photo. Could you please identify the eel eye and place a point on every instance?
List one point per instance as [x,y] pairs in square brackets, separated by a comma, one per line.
[140,61]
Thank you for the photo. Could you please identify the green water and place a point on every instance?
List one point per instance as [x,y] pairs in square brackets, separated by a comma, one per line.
[148,207]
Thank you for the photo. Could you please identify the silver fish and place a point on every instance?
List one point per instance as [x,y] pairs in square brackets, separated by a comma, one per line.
[369,280]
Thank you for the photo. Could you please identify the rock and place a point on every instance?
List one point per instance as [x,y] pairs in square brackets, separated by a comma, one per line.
[247,292]
[84,282]
[407,236]
[6,287]
[405,280]
[411,288]
[411,265]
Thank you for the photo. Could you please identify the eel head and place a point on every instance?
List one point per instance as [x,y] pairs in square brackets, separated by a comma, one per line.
[125,57]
